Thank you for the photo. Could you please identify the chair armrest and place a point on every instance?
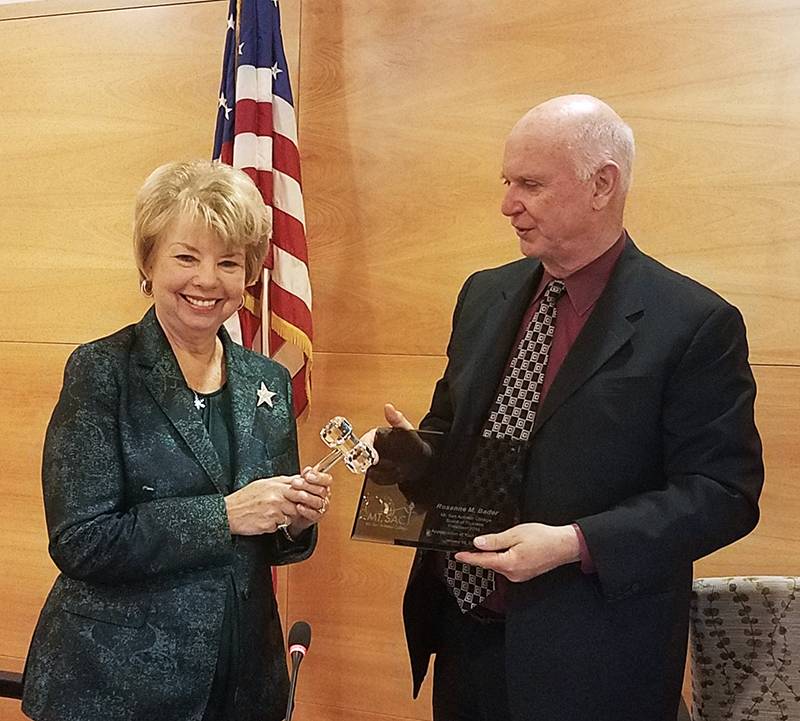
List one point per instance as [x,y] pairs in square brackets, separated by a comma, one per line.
[10,684]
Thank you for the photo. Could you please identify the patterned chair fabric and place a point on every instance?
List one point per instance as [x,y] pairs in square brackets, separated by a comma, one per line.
[745,648]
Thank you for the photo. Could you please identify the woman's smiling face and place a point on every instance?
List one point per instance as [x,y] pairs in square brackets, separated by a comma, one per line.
[198,282]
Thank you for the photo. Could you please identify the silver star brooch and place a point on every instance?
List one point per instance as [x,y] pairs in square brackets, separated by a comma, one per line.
[265,395]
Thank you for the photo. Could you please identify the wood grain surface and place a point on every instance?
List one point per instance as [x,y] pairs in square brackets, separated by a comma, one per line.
[403,108]
[406,107]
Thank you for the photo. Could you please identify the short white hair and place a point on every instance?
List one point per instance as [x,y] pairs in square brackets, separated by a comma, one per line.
[600,140]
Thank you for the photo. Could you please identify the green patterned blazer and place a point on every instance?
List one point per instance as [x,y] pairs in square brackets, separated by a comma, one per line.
[133,495]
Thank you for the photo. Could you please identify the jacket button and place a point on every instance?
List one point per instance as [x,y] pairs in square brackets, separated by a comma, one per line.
[245,594]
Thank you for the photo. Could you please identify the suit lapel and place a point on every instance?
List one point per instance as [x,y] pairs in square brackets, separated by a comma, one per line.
[499,325]
[243,385]
[609,327]
[164,380]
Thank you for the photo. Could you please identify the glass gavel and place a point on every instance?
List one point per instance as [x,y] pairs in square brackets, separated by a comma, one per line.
[345,446]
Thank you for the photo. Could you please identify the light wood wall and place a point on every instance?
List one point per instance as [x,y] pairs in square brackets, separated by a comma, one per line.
[404,106]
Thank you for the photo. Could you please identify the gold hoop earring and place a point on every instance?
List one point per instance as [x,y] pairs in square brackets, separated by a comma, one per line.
[241,305]
[146,286]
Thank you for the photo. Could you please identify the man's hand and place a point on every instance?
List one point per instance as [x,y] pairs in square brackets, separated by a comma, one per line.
[524,551]
[395,418]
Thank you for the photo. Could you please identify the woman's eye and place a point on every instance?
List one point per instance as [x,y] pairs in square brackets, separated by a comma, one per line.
[184,258]
[230,264]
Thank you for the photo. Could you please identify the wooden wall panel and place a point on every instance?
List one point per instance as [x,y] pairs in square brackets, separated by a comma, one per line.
[80,141]
[32,375]
[405,109]
[406,106]
[351,591]
[10,710]
[316,712]
[774,547]
[26,9]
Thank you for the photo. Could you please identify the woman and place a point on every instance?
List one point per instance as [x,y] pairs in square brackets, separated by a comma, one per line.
[170,484]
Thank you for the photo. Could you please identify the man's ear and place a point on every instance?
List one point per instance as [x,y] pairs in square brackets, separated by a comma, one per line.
[606,183]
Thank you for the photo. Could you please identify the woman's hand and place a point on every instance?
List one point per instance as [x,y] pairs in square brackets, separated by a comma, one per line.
[311,494]
[261,506]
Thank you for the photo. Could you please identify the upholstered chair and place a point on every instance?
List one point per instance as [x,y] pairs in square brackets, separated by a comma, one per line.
[745,649]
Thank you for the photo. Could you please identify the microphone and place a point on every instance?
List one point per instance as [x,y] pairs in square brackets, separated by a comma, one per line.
[299,641]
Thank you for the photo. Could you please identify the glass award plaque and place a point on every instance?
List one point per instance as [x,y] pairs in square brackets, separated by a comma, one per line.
[434,491]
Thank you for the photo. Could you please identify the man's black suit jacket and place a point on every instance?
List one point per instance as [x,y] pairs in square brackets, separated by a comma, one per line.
[133,493]
[646,439]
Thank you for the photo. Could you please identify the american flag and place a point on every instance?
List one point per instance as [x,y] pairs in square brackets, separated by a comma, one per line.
[257,132]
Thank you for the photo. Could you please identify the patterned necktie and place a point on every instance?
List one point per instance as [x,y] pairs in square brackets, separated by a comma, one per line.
[510,421]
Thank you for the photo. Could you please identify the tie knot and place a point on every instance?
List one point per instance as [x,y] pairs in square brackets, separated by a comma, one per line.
[555,289]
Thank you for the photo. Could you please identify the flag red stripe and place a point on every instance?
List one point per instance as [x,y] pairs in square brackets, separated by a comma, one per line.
[226,153]
[285,156]
[288,234]
[289,307]
[254,117]
[250,325]
[300,398]
[275,342]
[263,181]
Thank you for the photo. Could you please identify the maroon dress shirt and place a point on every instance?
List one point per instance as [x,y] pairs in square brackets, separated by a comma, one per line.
[583,288]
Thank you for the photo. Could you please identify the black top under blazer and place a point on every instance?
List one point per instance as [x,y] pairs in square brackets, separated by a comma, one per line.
[646,439]
[133,492]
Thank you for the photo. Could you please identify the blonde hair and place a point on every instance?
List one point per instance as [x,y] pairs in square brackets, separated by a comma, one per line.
[220,197]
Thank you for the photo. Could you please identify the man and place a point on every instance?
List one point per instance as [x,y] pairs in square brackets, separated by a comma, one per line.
[640,452]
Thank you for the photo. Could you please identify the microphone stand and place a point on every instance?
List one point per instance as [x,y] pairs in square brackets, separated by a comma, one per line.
[292,687]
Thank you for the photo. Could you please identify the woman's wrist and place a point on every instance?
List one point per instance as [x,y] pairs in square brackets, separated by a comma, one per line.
[230,512]
[295,529]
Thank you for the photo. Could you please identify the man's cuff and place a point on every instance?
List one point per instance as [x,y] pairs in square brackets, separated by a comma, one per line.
[587,565]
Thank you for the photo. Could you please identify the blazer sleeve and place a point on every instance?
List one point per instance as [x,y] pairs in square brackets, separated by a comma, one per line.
[441,413]
[712,469]
[94,534]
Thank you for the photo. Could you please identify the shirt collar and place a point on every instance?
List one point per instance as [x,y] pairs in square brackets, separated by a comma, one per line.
[586,285]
